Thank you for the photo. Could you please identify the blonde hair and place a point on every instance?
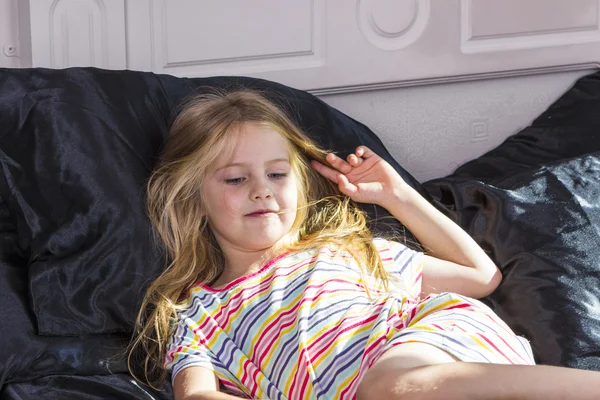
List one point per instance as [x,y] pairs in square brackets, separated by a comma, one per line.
[202,132]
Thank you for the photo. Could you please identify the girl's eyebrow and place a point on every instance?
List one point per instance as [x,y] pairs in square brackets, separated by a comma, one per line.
[244,164]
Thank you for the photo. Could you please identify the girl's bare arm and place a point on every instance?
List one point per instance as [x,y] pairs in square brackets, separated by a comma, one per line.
[455,262]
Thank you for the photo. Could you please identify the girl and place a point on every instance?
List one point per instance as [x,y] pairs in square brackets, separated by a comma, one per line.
[276,288]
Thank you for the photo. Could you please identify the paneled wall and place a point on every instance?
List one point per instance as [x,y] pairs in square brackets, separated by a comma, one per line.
[440,81]
[15,34]
[320,45]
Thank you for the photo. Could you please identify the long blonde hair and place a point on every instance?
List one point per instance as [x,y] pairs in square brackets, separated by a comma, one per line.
[199,136]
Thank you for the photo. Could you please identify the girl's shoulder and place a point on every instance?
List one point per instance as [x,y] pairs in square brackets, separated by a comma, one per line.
[393,252]
[382,244]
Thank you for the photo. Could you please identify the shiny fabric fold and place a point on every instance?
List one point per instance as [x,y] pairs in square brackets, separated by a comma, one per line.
[66,387]
[24,355]
[76,149]
[542,228]
[534,203]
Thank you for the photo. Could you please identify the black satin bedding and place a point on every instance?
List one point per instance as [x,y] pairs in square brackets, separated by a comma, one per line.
[76,147]
[534,203]
[69,387]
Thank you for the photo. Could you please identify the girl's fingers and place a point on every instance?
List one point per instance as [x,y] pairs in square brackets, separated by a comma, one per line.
[338,163]
[354,160]
[361,154]
[345,186]
[364,152]
[325,171]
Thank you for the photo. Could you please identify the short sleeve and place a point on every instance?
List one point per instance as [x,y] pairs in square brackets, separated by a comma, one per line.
[185,348]
[403,264]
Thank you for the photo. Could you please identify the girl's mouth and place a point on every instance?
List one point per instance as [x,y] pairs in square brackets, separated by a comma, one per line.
[262,213]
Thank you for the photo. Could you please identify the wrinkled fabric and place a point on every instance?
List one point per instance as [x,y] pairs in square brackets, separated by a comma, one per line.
[534,203]
[24,355]
[65,387]
[570,127]
[542,228]
[76,149]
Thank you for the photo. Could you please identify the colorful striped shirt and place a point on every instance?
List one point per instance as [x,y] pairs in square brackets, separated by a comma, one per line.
[304,327]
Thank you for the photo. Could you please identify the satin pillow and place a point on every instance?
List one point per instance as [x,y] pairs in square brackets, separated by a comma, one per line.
[76,148]
[568,128]
[25,355]
[533,203]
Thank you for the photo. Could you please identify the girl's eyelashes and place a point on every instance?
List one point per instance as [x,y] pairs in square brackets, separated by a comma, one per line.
[278,175]
[234,181]
[273,175]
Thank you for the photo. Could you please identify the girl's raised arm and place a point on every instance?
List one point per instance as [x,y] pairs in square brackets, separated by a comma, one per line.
[455,263]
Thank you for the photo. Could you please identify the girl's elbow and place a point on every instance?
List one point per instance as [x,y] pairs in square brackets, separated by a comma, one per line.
[491,283]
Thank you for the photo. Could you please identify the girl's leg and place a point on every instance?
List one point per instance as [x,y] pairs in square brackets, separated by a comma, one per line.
[420,371]
[388,371]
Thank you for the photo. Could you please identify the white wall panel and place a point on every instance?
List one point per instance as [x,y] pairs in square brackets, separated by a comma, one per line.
[490,25]
[392,25]
[9,34]
[436,55]
[325,46]
[67,33]
[202,38]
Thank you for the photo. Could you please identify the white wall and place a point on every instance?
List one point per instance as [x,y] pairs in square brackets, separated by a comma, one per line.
[430,129]
[8,33]
[15,37]
[433,129]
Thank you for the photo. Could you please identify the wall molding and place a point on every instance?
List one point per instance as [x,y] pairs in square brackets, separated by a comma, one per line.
[454,79]
[472,43]
[252,63]
[398,37]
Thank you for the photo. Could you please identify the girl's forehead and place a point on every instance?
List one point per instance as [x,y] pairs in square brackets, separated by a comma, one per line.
[252,142]
[257,141]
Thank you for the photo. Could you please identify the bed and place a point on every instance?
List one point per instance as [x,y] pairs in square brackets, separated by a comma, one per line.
[77,145]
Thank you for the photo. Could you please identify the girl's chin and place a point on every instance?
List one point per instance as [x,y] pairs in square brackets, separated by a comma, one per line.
[265,244]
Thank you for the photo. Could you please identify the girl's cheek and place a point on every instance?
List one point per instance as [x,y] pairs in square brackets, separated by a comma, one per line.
[233,199]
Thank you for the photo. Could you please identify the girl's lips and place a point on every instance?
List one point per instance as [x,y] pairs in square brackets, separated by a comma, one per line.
[262,213]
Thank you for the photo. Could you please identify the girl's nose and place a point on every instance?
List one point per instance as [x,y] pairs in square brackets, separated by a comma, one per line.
[261,191]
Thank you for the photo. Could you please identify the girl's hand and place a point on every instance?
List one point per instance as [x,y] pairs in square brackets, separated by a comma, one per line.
[363,176]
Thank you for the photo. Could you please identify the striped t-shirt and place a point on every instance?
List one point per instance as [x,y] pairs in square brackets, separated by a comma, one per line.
[304,327]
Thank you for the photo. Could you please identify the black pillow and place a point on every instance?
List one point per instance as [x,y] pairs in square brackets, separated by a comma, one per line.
[533,203]
[68,387]
[568,128]
[24,354]
[76,148]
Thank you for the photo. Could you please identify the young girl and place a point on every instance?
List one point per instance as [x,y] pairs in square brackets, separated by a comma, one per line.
[276,288]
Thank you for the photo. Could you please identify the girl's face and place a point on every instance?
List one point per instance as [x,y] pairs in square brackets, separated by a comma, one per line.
[251,199]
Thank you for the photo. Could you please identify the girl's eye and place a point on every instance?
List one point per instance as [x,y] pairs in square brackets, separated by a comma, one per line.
[278,175]
[234,181]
